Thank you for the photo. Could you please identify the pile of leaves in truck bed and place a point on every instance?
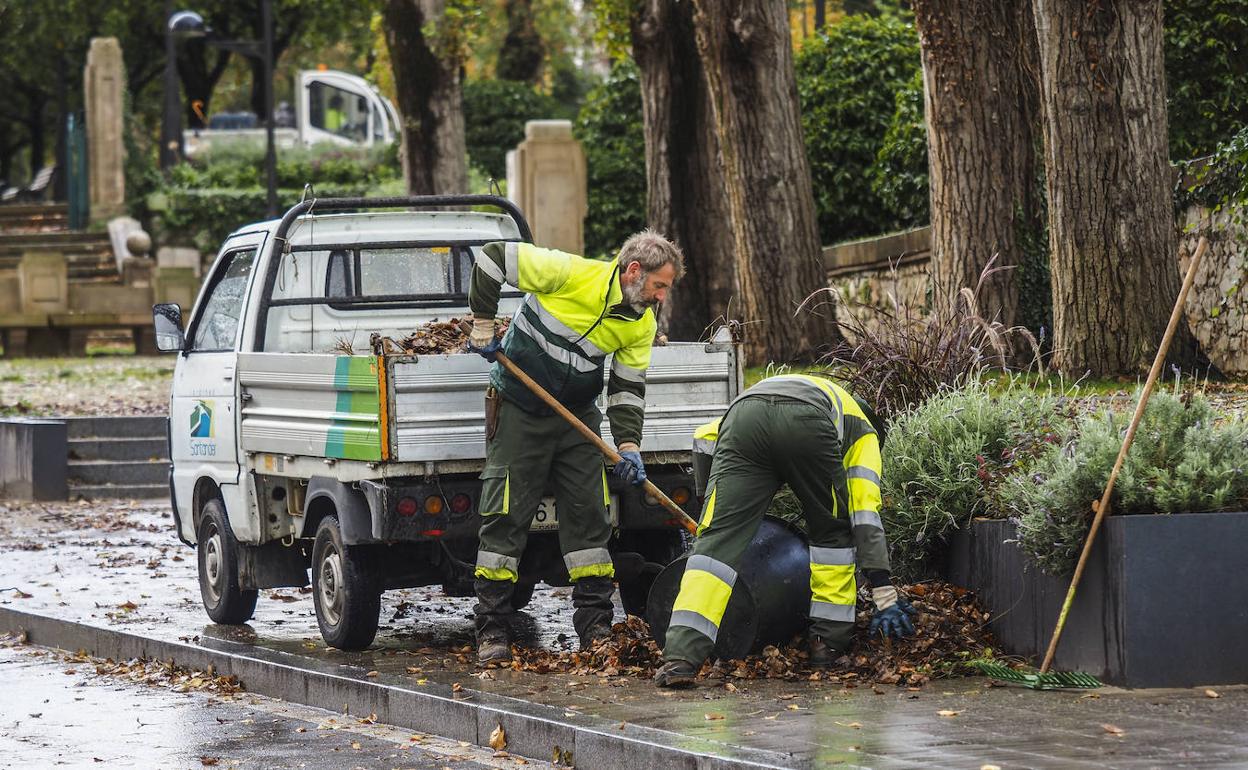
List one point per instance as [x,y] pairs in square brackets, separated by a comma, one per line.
[950,631]
[434,337]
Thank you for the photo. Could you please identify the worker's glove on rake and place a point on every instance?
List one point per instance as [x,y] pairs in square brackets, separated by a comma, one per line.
[891,618]
[630,467]
[482,340]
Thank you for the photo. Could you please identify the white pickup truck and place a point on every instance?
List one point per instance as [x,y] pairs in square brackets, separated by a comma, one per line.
[297,443]
[330,107]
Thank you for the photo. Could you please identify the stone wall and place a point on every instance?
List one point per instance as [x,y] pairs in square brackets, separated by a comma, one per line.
[1217,308]
[878,273]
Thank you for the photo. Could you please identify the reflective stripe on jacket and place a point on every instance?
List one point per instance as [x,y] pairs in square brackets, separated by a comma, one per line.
[572,318]
[859,445]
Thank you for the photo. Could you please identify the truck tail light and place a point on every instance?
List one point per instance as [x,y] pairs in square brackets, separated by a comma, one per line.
[433,505]
[461,503]
[407,506]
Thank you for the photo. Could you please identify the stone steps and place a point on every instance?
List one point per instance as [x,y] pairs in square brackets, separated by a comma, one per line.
[125,457]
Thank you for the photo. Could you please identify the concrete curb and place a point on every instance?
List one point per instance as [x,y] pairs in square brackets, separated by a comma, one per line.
[533,730]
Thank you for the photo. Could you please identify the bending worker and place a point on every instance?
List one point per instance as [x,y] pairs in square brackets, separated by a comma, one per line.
[811,434]
[576,311]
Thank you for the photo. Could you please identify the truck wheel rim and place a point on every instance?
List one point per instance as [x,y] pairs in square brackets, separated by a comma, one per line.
[331,587]
[212,566]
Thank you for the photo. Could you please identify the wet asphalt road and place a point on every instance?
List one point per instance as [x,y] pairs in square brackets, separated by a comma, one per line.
[62,714]
[117,565]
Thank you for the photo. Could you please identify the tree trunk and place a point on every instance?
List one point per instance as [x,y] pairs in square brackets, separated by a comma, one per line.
[981,104]
[430,95]
[520,58]
[684,180]
[1111,222]
[747,62]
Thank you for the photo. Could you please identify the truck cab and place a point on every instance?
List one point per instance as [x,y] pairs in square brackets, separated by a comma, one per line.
[307,447]
[330,107]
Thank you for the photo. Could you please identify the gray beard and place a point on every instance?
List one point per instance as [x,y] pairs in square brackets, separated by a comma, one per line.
[632,295]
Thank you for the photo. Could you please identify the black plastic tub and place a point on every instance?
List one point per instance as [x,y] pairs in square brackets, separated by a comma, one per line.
[770,600]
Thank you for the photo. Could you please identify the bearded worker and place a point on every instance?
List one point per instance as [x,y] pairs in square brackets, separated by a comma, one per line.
[812,434]
[575,313]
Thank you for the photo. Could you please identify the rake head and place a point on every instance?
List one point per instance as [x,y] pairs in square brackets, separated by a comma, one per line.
[1053,680]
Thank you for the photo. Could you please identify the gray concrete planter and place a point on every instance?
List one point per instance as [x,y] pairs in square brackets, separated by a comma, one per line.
[1162,602]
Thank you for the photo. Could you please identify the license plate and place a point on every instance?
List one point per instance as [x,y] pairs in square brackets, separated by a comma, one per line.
[547,518]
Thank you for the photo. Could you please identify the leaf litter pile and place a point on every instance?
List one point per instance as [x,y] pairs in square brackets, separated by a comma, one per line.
[432,338]
[950,631]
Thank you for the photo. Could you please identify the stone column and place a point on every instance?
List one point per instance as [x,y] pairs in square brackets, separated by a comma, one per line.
[103,90]
[550,184]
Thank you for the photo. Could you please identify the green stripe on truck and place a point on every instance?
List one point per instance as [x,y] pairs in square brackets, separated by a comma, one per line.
[355,433]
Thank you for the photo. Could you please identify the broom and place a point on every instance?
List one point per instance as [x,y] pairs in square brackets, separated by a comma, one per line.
[1044,679]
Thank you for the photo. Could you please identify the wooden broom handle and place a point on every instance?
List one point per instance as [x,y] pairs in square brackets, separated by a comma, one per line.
[681,517]
[1102,508]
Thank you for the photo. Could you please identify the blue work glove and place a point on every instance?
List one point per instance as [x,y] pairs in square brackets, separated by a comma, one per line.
[906,606]
[892,622]
[482,340]
[630,467]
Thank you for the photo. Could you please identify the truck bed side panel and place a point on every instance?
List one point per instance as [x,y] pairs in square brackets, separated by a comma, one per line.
[310,404]
[439,410]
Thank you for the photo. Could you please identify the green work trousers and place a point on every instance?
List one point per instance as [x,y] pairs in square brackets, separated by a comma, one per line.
[767,441]
[528,453]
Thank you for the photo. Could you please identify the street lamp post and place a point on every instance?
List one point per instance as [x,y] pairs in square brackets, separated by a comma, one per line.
[188,24]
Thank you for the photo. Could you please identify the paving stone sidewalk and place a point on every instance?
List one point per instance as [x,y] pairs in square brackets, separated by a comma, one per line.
[118,566]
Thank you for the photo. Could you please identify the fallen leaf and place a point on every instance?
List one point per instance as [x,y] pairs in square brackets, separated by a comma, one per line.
[713,717]
[1091,696]
[854,725]
[949,712]
[355,745]
[989,767]
[372,673]
[498,738]
[1113,729]
[457,687]
[1212,694]
[209,761]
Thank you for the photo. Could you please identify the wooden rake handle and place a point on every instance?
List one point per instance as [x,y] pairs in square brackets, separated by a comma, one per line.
[1102,508]
[648,486]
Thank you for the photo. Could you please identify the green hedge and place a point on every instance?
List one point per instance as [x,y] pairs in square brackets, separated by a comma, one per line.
[609,128]
[899,176]
[203,218]
[495,112]
[241,166]
[848,78]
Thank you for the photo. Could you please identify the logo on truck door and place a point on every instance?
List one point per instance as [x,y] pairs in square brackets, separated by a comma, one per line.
[201,420]
[202,428]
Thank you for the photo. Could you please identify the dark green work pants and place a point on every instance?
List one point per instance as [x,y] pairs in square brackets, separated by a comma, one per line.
[527,452]
[765,442]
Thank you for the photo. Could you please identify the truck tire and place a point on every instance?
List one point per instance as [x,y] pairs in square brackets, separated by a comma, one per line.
[218,569]
[344,592]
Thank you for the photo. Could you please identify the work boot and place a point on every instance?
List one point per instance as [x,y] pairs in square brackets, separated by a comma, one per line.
[591,596]
[493,649]
[820,655]
[493,614]
[594,634]
[676,673]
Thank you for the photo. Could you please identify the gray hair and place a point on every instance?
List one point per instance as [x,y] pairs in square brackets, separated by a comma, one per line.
[652,251]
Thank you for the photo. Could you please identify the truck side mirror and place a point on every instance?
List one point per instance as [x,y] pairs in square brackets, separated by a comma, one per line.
[167,318]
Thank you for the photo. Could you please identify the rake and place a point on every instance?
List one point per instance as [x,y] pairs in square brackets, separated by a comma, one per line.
[1044,679]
